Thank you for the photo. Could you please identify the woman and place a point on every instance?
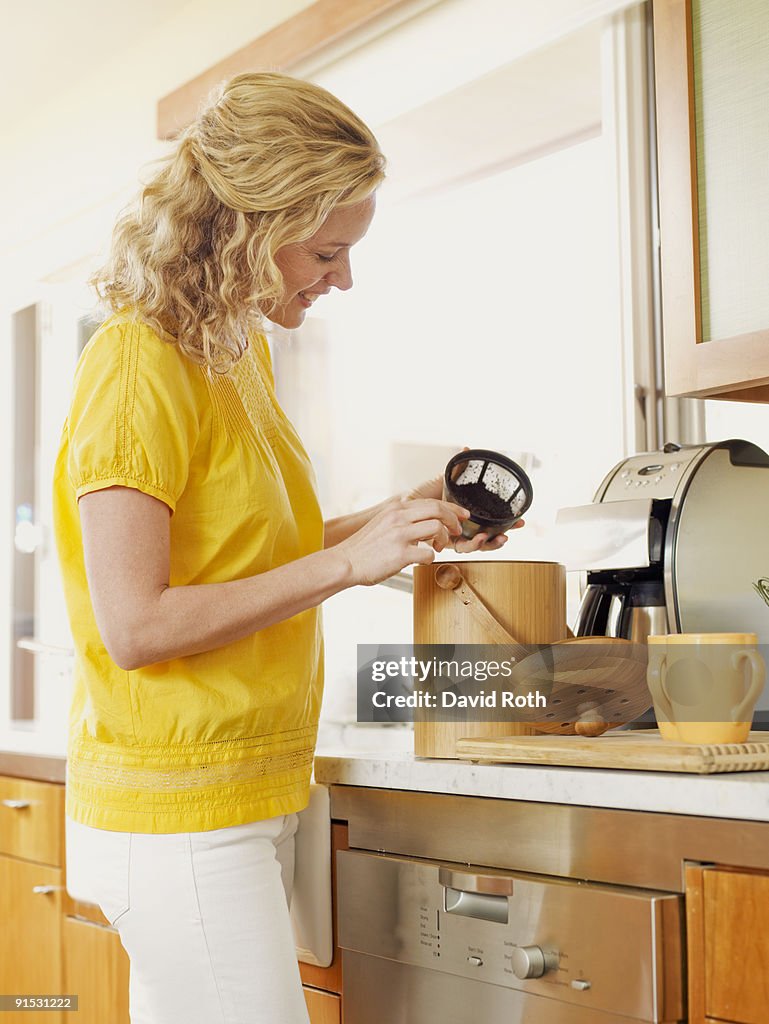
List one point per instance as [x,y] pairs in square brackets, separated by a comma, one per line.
[194,554]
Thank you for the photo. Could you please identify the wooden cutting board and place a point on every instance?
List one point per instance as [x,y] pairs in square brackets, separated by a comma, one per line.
[636,751]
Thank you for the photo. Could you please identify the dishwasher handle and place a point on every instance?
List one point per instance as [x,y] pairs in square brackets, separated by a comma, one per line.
[469,894]
[471,881]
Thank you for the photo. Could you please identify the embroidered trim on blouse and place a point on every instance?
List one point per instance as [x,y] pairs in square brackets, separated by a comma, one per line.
[170,780]
[252,391]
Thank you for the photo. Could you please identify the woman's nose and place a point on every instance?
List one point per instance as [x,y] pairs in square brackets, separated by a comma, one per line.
[341,276]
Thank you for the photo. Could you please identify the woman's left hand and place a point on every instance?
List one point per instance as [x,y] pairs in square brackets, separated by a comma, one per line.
[480,542]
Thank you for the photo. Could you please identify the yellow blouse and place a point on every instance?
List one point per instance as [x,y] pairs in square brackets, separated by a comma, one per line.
[227,736]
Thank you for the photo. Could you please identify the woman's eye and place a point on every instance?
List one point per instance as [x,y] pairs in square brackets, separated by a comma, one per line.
[325,259]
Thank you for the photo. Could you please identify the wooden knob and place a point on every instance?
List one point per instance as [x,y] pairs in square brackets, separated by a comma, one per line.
[448,576]
[590,722]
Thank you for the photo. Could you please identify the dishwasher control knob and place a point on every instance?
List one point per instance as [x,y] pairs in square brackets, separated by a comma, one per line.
[531,962]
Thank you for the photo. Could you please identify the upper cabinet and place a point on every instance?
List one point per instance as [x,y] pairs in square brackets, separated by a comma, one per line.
[712,88]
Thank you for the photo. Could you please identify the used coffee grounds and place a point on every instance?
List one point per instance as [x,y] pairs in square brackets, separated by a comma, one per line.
[477,499]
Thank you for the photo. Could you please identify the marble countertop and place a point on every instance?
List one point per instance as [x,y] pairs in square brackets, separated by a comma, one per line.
[30,755]
[738,795]
[382,758]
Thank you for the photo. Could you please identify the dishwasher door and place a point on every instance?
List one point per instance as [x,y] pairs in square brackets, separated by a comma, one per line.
[433,943]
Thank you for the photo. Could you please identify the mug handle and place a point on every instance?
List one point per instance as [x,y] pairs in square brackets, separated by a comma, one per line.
[661,697]
[744,710]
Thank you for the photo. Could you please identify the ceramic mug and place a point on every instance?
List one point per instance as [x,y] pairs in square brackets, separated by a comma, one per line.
[705,685]
[657,649]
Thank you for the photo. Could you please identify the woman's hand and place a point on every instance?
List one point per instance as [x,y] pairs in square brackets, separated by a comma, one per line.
[481,541]
[390,540]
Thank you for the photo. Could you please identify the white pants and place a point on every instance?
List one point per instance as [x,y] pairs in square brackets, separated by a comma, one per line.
[203,917]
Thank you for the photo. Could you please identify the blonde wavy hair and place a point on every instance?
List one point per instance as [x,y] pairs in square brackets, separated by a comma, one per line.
[260,168]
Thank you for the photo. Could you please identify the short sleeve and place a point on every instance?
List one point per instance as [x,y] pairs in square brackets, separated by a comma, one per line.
[134,418]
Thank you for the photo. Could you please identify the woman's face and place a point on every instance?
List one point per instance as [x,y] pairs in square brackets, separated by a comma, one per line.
[320,263]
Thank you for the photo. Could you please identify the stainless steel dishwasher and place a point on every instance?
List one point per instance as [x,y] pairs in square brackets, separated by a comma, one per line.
[428,942]
[431,941]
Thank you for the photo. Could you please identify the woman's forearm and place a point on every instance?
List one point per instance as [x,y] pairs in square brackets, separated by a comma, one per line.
[142,620]
[191,619]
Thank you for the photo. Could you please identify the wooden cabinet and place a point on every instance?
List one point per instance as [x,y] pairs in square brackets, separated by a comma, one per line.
[96,967]
[32,820]
[323,1007]
[51,944]
[47,947]
[31,887]
[712,80]
[30,936]
[728,945]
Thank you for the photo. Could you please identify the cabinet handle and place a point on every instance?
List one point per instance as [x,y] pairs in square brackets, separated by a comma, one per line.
[17,804]
[45,889]
[29,643]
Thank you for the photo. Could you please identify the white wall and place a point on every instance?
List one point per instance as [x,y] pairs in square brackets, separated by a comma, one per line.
[71,162]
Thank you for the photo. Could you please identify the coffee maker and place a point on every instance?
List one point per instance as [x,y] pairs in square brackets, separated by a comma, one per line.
[675,541]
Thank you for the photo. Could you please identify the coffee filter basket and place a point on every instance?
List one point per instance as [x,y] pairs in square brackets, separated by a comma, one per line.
[496,490]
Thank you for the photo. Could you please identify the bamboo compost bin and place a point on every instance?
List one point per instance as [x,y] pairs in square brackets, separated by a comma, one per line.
[528,599]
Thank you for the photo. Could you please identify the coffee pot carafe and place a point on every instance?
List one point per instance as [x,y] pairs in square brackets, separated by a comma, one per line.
[622,606]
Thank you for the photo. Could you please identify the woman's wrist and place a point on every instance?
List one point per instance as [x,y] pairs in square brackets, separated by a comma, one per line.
[336,569]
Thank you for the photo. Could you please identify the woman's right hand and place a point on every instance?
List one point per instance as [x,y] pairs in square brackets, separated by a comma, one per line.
[390,540]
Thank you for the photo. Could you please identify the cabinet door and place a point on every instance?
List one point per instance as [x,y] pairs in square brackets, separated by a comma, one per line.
[96,968]
[32,820]
[728,945]
[712,91]
[30,936]
[323,1007]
